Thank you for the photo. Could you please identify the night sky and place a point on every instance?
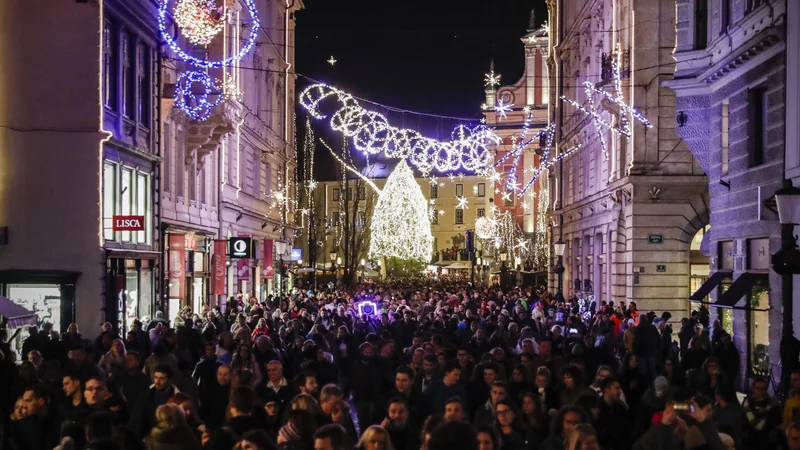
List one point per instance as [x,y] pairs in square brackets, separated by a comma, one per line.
[428,56]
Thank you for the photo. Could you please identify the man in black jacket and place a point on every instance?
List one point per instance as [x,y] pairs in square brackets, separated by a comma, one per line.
[241,407]
[206,370]
[143,418]
[41,428]
[132,382]
[613,427]
[396,423]
[214,398]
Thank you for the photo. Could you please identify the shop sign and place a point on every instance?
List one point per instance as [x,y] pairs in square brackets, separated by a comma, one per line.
[241,247]
[219,267]
[297,254]
[128,223]
[177,265]
[267,270]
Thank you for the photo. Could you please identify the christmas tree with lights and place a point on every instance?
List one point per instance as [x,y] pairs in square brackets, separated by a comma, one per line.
[401,227]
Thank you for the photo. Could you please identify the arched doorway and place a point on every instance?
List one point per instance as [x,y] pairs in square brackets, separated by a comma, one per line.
[698,264]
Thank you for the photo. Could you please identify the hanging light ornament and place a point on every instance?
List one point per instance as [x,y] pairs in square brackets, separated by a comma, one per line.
[372,134]
[485,227]
[164,23]
[199,20]
[196,93]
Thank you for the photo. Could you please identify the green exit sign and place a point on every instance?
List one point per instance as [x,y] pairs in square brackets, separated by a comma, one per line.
[655,239]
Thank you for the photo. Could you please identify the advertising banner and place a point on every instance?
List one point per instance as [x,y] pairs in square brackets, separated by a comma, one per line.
[177,265]
[267,271]
[218,267]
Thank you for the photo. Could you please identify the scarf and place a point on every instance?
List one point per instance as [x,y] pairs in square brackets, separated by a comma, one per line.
[288,433]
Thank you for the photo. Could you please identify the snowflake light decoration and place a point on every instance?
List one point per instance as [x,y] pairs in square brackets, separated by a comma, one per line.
[462,203]
[199,20]
[230,91]
[502,108]
[491,80]
[627,113]
[332,61]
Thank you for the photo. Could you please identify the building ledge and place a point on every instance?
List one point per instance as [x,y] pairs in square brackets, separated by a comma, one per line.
[204,137]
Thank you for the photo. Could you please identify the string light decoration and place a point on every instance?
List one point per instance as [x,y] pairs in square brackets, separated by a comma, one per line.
[199,20]
[485,227]
[401,226]
[541,247]
[627,113]
[372,134]
[171,41]
[502,108]
[230,91]
[332,61]
[197,105]
[546,164]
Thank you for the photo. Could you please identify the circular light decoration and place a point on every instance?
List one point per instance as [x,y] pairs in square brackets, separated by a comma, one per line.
[255,24]
[197,105]
[199,20]
[373,134]
[485,227]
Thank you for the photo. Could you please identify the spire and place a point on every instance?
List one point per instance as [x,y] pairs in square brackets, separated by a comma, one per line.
[491,65]
[532,20]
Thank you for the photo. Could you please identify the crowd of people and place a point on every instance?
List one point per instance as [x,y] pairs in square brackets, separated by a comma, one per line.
[438,366]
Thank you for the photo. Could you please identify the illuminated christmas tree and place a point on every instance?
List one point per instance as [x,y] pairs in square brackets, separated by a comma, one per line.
[401,227]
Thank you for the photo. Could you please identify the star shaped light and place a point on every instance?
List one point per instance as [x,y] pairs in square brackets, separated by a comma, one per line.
[493,176]
[452,178]
[483,119]
[312,184]
[525,206]
[462,203]
[522,244]
[460,176]
[507,196]
[332,61]
[526,109]
[502,108]
[433,181]
[491,80]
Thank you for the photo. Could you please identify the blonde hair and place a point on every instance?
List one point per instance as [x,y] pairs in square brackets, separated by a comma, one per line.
[306,403]
[170,415]
[579,434]
[370,433]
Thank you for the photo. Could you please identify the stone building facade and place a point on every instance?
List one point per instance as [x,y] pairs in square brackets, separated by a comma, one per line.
[730,81]
[627,210]
[233,174]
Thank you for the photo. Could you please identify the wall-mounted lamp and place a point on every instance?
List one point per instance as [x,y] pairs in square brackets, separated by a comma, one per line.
[682,118]
[725,183]
[264,225]
[274,229]
[239,217]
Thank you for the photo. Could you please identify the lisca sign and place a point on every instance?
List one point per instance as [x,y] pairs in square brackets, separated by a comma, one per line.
[128,223]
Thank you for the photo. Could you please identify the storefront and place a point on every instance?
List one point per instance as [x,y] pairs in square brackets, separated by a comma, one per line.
[188,271]
[131,287]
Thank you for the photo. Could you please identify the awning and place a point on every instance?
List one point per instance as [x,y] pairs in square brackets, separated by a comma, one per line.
[710,284]
[442,263]
[460,265]
[16,315]
[739,289]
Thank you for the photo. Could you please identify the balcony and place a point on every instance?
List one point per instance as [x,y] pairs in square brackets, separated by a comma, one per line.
[204,137]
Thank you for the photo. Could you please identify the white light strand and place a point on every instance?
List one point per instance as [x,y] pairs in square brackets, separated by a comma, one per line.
[351,169]
[546,164]
[400,223]
[372,134]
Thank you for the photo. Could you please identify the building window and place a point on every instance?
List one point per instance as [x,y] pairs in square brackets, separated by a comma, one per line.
[756,126]
[362,219]
[459,190]
[435,218]
[335,219]
[127,76]
[362,193]
[143,205]
[481,212]
[481,189]
[109,72]
[700,24]
[336,194]
[349,194]
[459,216]
[143,84]
[126,198]
[725,137]
[109,199]
[434,191]
[758,324]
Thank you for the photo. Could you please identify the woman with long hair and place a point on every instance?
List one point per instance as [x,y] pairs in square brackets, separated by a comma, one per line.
[488,438]
[262,329]
[427,429]
[533,421]
[583,437]
[306,402]
[114,359]
[243,359]
[190,410]
[171,430]
[508,426]
[374,438]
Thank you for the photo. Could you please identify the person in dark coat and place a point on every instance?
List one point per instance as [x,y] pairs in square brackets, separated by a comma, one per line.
[241,408]
[206,370]
[132,381]
[613,419]
[41,428]
[214,398]
[143,417]
[728,357]
[402,435]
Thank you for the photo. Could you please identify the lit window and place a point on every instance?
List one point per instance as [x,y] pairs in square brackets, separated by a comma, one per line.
[336,195]
[459,216]
[459,190]
[126,198]
[109,199]
[481,212]
[434,191]
[481,189]
[143,206]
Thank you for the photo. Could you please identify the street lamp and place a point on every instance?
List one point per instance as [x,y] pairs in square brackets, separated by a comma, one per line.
[362,269]
[786,262]
[558,247]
